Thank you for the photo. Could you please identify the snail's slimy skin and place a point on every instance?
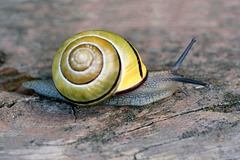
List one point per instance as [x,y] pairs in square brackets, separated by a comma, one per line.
[44,88]
[152,90]
[148,87]
[159,85]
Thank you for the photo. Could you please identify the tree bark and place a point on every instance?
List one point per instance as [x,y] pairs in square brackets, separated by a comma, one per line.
[203,125]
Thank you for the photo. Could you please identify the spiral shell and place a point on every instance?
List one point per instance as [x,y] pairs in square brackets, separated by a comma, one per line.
[93,65]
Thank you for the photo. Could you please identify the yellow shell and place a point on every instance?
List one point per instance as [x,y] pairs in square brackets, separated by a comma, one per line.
[93,65]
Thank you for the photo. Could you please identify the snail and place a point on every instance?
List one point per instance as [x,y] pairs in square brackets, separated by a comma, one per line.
[101,68]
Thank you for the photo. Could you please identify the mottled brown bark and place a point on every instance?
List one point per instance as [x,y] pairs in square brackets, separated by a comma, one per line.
[204,125]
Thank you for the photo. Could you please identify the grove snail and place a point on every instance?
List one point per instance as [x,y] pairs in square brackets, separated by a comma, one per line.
[100,67]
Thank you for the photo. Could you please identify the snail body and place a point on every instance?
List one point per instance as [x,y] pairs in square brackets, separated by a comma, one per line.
[100,67]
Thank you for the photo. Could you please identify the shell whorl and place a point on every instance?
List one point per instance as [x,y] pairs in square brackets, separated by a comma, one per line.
[93,65]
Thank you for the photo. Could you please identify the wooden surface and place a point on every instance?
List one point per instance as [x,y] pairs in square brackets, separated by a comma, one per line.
[204,125]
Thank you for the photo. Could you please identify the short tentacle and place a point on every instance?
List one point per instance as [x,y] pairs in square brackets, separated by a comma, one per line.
[187,80]
[185,92]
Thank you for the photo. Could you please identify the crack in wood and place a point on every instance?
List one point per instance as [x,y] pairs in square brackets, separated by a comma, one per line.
[176,115]
[74,113]
[220,127]
[149,147]
[13,102]
[141,127]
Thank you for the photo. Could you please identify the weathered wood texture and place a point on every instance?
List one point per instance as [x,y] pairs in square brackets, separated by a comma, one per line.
[204,125]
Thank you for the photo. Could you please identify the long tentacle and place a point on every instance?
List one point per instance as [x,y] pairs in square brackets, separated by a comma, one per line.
[182,57]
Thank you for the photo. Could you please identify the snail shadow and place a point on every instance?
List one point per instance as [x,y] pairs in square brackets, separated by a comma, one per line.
[53,110]
[57,110]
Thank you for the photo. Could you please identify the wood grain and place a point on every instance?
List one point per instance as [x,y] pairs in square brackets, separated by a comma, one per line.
[203,125]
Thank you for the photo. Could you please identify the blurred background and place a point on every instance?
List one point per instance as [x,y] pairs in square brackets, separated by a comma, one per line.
[32,31]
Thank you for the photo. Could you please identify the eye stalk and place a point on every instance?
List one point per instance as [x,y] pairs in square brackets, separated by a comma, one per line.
[179,62]
[182,57]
